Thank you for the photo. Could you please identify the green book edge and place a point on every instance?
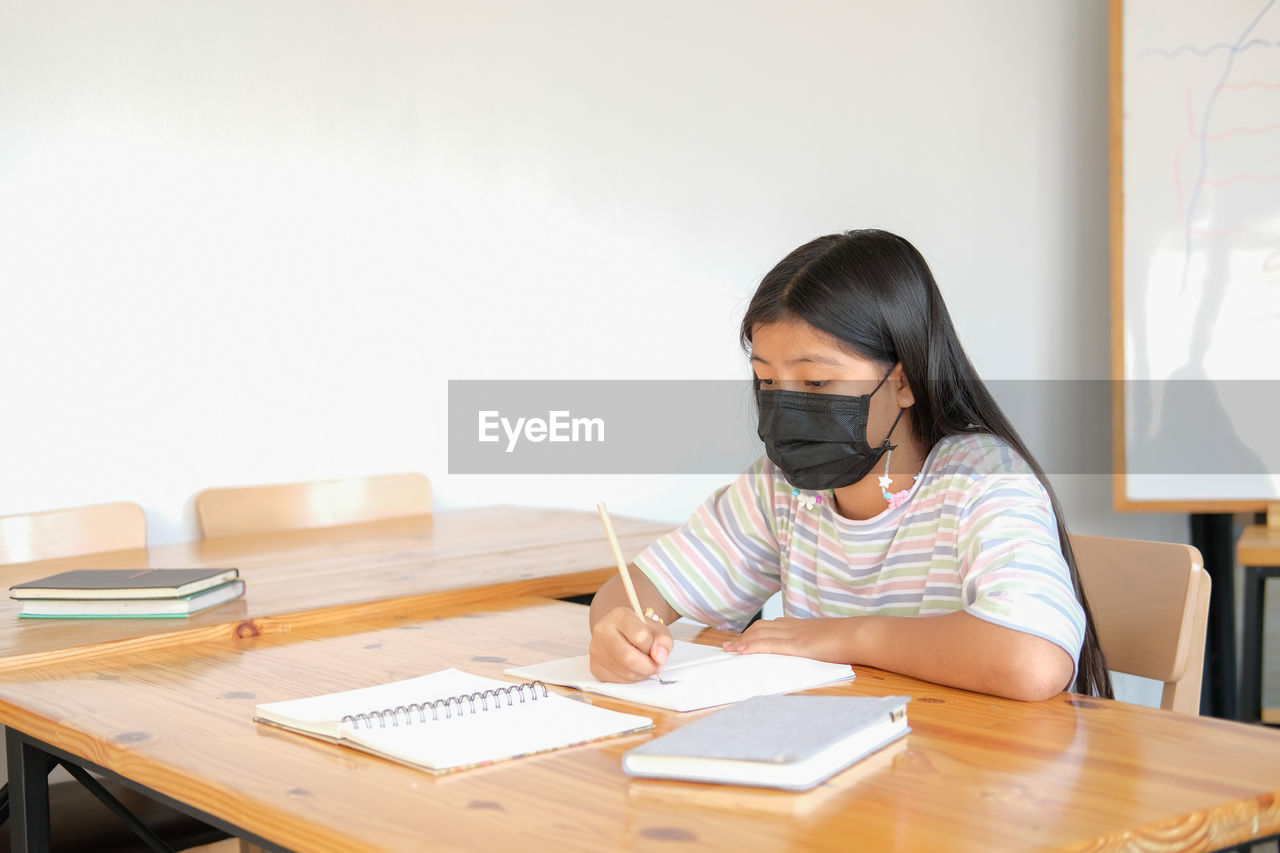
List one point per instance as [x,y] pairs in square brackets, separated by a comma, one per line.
[135,615]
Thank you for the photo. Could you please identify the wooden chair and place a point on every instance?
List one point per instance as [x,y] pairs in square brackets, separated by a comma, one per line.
[300,506]
[1150,603]
[71,533]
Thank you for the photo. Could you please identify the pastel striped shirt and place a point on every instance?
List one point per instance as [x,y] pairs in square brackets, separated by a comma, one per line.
[977,534]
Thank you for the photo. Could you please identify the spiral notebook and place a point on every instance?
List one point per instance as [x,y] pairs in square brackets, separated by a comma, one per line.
[450,720]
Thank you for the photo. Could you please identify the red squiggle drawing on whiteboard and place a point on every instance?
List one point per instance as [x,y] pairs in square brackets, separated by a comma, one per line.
[1192,136]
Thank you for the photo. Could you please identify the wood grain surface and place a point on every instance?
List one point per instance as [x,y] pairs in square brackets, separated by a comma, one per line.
[313,577]
[976,773]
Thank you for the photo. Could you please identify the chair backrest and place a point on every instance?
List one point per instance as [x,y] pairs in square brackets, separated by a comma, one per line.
[1150,603]
[71,532]
[300,506]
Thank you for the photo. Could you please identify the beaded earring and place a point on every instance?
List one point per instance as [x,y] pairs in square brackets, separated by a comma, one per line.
[895,499]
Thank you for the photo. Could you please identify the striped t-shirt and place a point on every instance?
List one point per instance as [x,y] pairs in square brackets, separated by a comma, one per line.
[977,534]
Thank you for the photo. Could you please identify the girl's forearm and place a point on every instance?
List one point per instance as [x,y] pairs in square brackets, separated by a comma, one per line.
[959,650]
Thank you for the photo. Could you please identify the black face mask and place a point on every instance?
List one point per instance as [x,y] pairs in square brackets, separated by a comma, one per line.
[820,440]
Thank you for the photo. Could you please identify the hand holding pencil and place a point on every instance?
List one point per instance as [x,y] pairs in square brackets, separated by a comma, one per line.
[628,643]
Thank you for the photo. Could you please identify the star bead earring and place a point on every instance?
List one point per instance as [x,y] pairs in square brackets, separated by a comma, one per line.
[885,480]
[895,499]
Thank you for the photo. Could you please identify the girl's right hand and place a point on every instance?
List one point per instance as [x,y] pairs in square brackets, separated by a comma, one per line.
[626,648]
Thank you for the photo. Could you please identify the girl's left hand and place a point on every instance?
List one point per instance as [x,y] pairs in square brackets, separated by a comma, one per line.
[820,639]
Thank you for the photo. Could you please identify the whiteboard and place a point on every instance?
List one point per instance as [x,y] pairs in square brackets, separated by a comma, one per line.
[1196,253]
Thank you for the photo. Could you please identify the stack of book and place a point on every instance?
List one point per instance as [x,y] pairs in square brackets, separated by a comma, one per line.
[127,593]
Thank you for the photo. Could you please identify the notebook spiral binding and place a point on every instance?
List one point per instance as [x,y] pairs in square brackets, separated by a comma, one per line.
[450,706]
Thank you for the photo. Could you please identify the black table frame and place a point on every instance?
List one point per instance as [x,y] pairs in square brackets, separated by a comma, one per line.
[1255,604]
[29,761]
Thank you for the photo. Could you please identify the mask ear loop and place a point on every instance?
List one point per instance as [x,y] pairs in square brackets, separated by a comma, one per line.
[883,380]
[885,480]
[894,426]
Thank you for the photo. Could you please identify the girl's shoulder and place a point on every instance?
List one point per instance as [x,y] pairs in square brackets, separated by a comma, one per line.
[974,455]
[974,470]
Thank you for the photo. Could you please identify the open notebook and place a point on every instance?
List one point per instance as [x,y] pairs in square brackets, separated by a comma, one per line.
[696,677]
[449,720]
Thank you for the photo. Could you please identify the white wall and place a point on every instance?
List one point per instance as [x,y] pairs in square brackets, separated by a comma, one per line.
[250,242]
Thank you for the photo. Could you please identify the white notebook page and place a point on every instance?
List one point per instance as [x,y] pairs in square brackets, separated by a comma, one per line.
[701,676]
[453,739]
[507,732]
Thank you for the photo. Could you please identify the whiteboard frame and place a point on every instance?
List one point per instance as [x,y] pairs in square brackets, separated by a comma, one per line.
[1120,493]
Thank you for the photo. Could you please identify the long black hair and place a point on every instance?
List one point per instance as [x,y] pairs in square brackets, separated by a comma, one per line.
[873,292]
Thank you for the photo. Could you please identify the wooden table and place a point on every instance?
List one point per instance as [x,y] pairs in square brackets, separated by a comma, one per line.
[1259,554]
[301,578]
[976,773]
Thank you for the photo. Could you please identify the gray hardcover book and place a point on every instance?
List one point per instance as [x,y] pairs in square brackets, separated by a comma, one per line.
[792,742]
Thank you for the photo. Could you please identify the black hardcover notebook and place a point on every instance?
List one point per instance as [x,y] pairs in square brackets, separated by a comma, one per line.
[123,583]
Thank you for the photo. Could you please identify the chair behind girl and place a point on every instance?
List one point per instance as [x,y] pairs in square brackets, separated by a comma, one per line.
[1150,603]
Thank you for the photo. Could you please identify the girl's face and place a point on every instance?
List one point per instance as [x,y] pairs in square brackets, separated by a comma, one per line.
[791,355]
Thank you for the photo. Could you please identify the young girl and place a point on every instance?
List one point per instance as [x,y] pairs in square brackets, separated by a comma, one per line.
[893,488]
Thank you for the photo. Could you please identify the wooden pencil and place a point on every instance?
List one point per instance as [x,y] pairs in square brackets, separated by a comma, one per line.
[622,564]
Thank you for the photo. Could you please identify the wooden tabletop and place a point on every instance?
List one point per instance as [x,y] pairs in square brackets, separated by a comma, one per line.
[300,578]
[976,773]
[1259,545]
